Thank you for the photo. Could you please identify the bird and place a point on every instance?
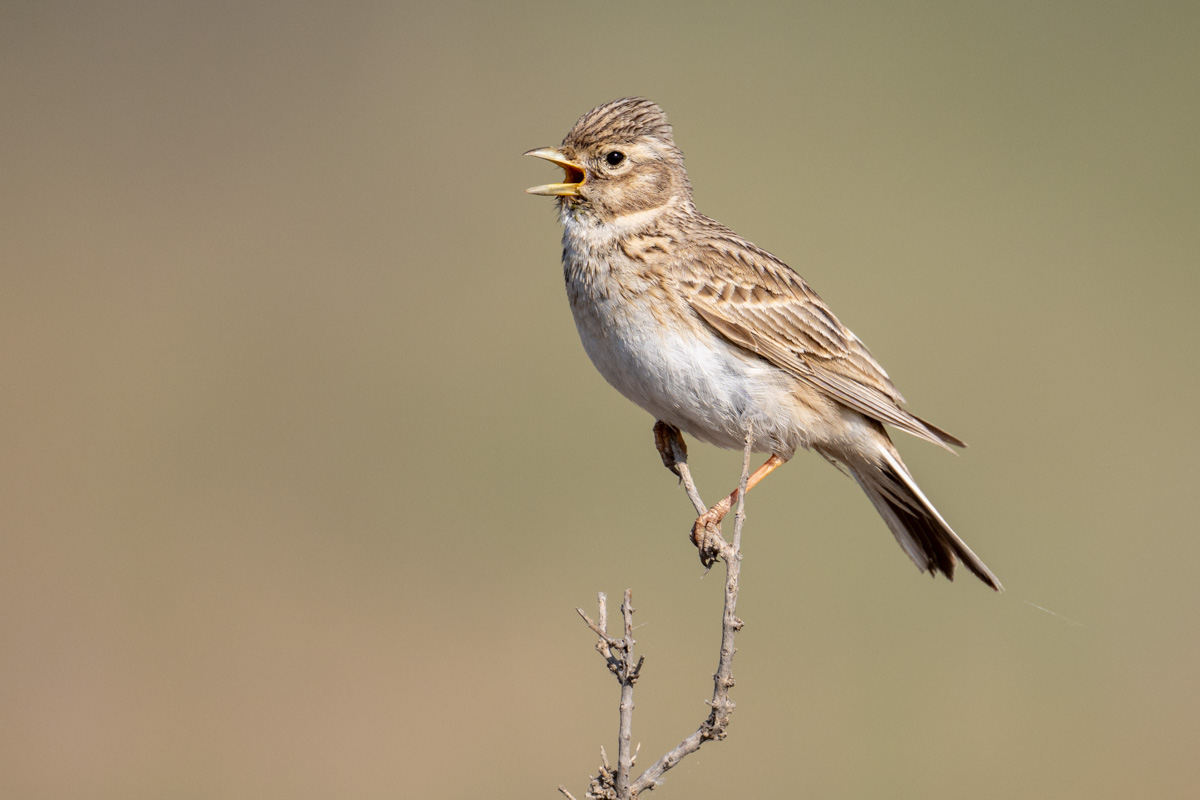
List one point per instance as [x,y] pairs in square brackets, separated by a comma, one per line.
[716,337]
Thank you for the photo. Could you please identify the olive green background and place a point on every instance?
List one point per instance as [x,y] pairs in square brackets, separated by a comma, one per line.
[304,469]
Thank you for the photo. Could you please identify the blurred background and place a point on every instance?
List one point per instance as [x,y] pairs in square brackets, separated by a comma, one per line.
[304,470]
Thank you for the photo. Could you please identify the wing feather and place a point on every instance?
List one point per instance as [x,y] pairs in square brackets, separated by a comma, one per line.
[781,319]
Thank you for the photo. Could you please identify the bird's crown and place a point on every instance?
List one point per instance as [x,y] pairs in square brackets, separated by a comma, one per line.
[624,120]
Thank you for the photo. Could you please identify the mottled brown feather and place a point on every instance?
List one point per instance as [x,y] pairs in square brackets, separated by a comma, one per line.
[758,303]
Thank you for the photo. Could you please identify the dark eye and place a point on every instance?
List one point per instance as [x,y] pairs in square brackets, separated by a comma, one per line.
[615,158]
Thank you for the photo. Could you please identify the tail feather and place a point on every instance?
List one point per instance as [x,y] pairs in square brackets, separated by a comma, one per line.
[929,541]
[946,437]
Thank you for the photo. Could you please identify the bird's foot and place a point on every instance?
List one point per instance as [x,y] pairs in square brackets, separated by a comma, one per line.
[706,534]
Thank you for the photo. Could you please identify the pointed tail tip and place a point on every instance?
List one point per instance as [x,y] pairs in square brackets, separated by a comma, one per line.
[921,531]
[978,569]
[990,579]
[942,437]
[993,582]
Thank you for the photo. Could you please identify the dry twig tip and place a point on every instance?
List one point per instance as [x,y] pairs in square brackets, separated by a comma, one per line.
[616,784]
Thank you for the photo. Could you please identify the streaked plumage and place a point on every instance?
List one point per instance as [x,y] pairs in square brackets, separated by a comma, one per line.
[712,334]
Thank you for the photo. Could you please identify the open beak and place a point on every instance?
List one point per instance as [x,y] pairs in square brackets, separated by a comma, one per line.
[573,179]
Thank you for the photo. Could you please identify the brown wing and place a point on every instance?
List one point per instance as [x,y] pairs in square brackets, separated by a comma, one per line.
[768,309]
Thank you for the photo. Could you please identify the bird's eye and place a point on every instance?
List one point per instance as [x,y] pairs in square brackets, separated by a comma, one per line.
[615,158]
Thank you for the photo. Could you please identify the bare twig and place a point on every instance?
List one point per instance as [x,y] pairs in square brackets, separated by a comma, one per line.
[618,654]
[630,676]
[722,707]
[685,475]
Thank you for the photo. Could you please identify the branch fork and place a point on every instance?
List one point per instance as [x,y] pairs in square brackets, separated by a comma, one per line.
[616,782]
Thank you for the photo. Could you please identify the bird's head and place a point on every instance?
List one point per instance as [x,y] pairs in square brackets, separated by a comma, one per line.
[619,159]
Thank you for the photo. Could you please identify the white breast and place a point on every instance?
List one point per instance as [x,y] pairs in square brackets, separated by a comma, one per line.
[656,352]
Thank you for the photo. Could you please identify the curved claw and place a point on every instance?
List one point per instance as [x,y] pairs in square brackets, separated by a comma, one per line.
[706,536]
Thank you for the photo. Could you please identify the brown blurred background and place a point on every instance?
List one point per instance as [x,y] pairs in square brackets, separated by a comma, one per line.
[304,468]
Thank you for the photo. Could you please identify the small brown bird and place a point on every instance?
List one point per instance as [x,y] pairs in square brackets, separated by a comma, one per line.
[715,336]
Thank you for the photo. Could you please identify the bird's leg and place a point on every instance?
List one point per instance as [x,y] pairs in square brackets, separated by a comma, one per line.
[706,532]
[669,442]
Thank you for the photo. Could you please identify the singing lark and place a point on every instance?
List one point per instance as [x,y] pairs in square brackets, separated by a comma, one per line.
[714,336]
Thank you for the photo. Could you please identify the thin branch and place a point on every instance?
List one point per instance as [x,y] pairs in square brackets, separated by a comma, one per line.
[722,707]
[739,518]
[612,784]
[685,475]
[630,676]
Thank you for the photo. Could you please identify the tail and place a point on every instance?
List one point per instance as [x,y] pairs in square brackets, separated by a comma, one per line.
[916,524]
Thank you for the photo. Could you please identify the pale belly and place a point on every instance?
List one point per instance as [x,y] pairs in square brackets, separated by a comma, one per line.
[687,375]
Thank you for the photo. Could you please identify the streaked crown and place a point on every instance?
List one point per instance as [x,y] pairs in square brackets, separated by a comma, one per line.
[622,121]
